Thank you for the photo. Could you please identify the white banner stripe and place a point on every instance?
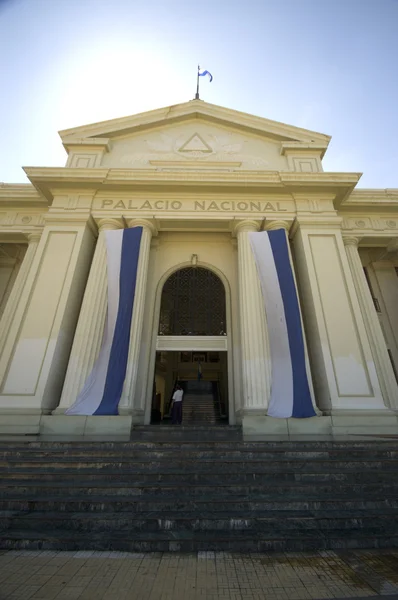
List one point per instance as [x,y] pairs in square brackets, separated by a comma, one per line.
[281,400]
[90,397]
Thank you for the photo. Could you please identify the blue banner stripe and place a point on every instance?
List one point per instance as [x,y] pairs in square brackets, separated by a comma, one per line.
[302,403]
[120,345]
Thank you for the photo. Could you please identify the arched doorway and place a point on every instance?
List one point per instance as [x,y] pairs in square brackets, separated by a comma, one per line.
[192,347]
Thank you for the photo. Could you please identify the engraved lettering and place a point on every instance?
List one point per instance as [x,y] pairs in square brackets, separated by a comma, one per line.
[146,205]
[255,206]
[119,204]
[213,206]
[224,207]
[279,207]
[106,203]
[159,205]
[176,205]
[131,206]
[242,206]
[269,206]
[200,205]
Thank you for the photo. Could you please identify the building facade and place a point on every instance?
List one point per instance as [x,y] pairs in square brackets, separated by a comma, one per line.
[197,178]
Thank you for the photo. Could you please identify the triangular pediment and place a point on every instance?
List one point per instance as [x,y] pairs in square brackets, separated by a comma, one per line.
[195,109]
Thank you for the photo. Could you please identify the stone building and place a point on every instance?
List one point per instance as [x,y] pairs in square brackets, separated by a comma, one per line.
[198,178]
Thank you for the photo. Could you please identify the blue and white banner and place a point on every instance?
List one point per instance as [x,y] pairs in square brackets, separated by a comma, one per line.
[102,390]
[290,390]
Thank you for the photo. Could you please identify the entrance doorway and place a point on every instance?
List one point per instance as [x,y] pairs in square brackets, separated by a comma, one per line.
[203,377]
[192,348]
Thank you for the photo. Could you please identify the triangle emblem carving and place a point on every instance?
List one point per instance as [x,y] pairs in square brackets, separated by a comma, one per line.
[196,144]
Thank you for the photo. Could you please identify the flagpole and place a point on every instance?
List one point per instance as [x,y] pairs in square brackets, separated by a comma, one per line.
[197,85]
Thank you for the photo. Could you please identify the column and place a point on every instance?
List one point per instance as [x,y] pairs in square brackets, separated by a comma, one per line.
[90,327]
[254,355]
[19,283]
[378,346]
[130,400]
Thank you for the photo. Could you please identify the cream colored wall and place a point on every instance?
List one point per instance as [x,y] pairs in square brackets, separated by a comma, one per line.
[195,140]
[36,349]
[171,251]
[11,257]
[344,373]
[384,288]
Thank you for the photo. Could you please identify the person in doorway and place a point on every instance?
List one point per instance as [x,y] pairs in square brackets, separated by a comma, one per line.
[177,406]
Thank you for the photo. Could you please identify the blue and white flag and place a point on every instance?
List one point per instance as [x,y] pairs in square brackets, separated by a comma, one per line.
[203,73]
[290,390]
[102,390]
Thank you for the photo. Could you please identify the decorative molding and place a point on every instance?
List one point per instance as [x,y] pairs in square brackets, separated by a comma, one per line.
[181,343]
[195,109]
[199,164]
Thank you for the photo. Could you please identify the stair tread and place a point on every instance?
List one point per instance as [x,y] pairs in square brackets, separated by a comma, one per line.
[186,534]
[186,515]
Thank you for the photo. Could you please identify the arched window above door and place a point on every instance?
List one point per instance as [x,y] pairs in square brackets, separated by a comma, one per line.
[193,303]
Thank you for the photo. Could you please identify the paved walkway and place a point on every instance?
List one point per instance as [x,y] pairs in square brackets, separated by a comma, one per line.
[202,576]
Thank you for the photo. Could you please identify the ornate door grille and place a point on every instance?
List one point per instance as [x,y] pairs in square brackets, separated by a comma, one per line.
[193,303]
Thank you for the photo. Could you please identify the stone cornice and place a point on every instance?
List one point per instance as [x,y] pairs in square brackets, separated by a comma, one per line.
[371,199]
[48,179]
[88,143]
[190,110]
[291,147]
[21,194]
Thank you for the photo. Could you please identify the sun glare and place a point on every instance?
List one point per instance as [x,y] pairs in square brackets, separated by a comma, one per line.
[114,80]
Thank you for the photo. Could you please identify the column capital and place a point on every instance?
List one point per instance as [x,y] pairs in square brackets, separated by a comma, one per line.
[34,237]
[392,246]
[109,224]
[245,226]
[145,223]
[271,225]
[351,240]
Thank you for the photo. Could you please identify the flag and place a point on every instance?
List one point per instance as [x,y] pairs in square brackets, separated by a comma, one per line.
[203,73]
[290,391]
[199,371]
[103,388]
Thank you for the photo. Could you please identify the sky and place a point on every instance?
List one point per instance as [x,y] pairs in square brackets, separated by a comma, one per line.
[325,65]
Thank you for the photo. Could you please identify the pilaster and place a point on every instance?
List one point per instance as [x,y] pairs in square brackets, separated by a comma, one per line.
[344,372]
[131,402]
[16,296]
[36,350]
[256,374]
[90,327]
[384,369]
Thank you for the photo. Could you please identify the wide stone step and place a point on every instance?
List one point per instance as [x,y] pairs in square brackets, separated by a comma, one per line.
[221,454]
[195,541]
[130,479]
[72,477]
[180,463]
[98,502]
[223,481]
[257,521]
[345,448]
[198,450]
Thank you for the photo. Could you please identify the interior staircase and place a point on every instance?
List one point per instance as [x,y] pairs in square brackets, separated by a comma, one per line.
[198,489]
[199,404]
[199,408]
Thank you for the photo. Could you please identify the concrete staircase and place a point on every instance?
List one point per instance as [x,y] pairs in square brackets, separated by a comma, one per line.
[191,489]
